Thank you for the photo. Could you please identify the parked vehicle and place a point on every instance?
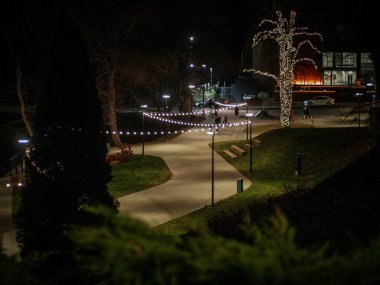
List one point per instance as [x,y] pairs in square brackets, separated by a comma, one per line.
[198,104]
[15,182]
[320,101]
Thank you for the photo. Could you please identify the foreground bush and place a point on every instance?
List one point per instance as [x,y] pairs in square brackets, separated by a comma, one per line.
[116,250]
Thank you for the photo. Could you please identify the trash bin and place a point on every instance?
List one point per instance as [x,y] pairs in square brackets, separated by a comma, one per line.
[239,185]
[236,110]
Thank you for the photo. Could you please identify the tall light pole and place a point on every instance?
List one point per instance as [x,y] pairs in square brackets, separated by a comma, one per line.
[211,76]
[359,94]
[191,40]
[203,99]
[191,65]
[250,115]
[191,86]
[143,125]
[212,165]
[166,97]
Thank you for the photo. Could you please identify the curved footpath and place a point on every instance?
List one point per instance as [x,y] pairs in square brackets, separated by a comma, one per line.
[188,157]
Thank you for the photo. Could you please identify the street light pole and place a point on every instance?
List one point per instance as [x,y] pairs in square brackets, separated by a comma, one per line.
[191,86]
[212,165]
[166,101]
[166,97]
[250,148]
[212,171]
[359,94]
[247,115]
[359,110]
[250,141]
[143,125]
[211,76]
[203,99]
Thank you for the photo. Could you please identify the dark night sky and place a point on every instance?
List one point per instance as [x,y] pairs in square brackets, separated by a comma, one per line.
[226,26]
[224,29]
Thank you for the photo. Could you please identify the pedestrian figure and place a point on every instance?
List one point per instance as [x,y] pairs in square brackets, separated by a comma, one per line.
[216,107]
[224,121]
[209,118]
[236,110]
[217,122]
[306,112]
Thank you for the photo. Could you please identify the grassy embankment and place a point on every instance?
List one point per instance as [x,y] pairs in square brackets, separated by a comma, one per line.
[324,152]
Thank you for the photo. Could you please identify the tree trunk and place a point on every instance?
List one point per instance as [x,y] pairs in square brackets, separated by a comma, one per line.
[285,83]
[24,113]
[286,104]
[111,112]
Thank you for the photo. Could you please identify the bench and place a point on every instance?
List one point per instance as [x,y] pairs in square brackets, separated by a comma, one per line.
[255,142]
[247,145]
[229,153]
[237,150]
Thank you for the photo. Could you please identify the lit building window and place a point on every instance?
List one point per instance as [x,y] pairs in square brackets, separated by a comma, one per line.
[339,77]
[366,67]
[345,59]
[328,59]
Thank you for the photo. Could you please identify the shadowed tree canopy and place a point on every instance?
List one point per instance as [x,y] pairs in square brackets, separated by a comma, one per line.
[66,170]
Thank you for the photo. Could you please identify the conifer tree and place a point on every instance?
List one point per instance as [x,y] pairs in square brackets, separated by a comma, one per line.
[67,170]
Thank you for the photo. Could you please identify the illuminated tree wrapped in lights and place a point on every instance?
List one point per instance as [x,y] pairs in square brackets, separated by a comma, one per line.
[285,33]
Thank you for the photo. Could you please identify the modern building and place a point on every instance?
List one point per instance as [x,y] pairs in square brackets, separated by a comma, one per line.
[343,71]
[338,68]
[340,74]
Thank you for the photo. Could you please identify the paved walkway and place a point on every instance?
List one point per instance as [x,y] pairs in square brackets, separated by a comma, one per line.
[7,232]
[188,156]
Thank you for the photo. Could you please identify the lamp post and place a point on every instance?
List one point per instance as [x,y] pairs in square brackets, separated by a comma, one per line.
[143,125]
[212,165]
[191,87]
[191,65]
[166,97]
[211,76]
[191,40]
[23,142]
[250,115]
[359,94]
[203,99]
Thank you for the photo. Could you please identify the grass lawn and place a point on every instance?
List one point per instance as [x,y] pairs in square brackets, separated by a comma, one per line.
[324,152]
[139,173]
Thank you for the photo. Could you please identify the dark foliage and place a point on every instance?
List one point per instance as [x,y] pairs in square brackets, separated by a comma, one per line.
[67,170]
[9,270]
[119,250]
[343,211]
